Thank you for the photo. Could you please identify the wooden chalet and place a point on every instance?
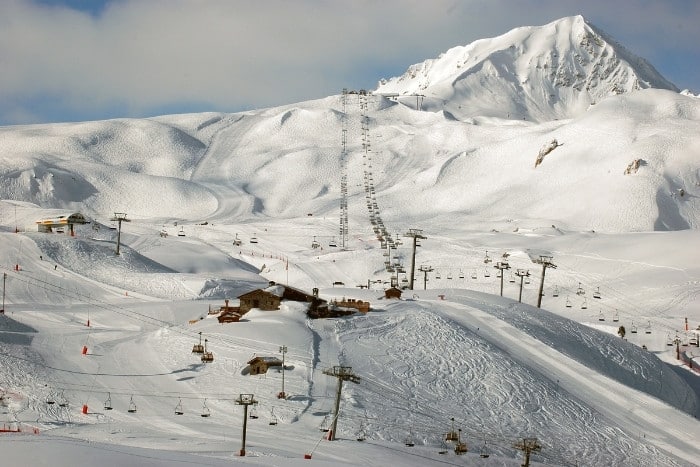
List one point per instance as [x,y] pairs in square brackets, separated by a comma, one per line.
[359,305]
[270,298]
[260,365]
[227,313]
[392,292]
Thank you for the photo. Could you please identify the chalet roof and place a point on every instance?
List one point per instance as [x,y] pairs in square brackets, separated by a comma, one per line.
[283,292]
[268,360]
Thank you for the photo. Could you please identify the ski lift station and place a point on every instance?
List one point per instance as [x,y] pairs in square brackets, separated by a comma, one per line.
[60,223]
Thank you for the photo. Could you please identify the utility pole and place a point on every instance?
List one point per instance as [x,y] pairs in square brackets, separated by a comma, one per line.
[501,265]
[416,234]
[425,270]
[343,373]
[283,350]
[677,341]
[4,278]
[119,217]
[245,400]
[528,445]
[521,273]
[546,262]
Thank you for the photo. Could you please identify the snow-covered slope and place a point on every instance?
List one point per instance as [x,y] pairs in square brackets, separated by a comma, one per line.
[610,193]
[531,73]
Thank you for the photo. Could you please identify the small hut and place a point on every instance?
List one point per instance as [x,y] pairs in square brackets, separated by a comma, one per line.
[260,365]
[392,292]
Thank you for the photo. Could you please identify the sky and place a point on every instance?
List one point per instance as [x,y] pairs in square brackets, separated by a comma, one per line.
[79,60]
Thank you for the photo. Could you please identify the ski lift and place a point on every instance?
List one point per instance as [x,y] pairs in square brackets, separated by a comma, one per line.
[473,274]
[584,305]
[132,406]
[449,276]
[181,232]
[487,273]
[437,274]
[596,294]
[648,328]
[452,435]
[669,342]
[361,435]
[108,402]
[50,400]
[527,278]
[409,440]
[324,424]
[178,408]
[568,302]
[616,317]
[62,401]
[237,241]
[486,258]
[198,348]
[461,274]
[443,448]
[207,357]
[460,447]
[273,417]
[601,317]
[314,243]
[484,452]
[556,291]
[633,330]
[205,410]
[253,413]
[253,239]
[580,290]
[511,279]
[332,243]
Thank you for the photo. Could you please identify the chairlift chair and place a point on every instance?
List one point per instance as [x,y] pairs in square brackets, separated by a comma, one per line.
[50,400]
[207,356]
[449,276]
[181,232]
[584,305]
[473,274]
[178,408]
[253,413]
[132,406]
[452,434]
[511,279]
[332,243]
[108,402]
[648,328]
[205,410]
[616,317]
[198,348]
[669,341]
[62,401]
[633,329]
[568,302]
[486,258]
[580,290]
[361,435]
[437,275]
[487,273]
[461,274]
[596,294]
[409,440]
[601,317]
[483,452]
[253,239]
[237,241]
[324,424]
[273,417]
[556,291]
[460,447]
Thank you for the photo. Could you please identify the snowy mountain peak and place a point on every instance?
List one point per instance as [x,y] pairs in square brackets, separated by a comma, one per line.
[534,73]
